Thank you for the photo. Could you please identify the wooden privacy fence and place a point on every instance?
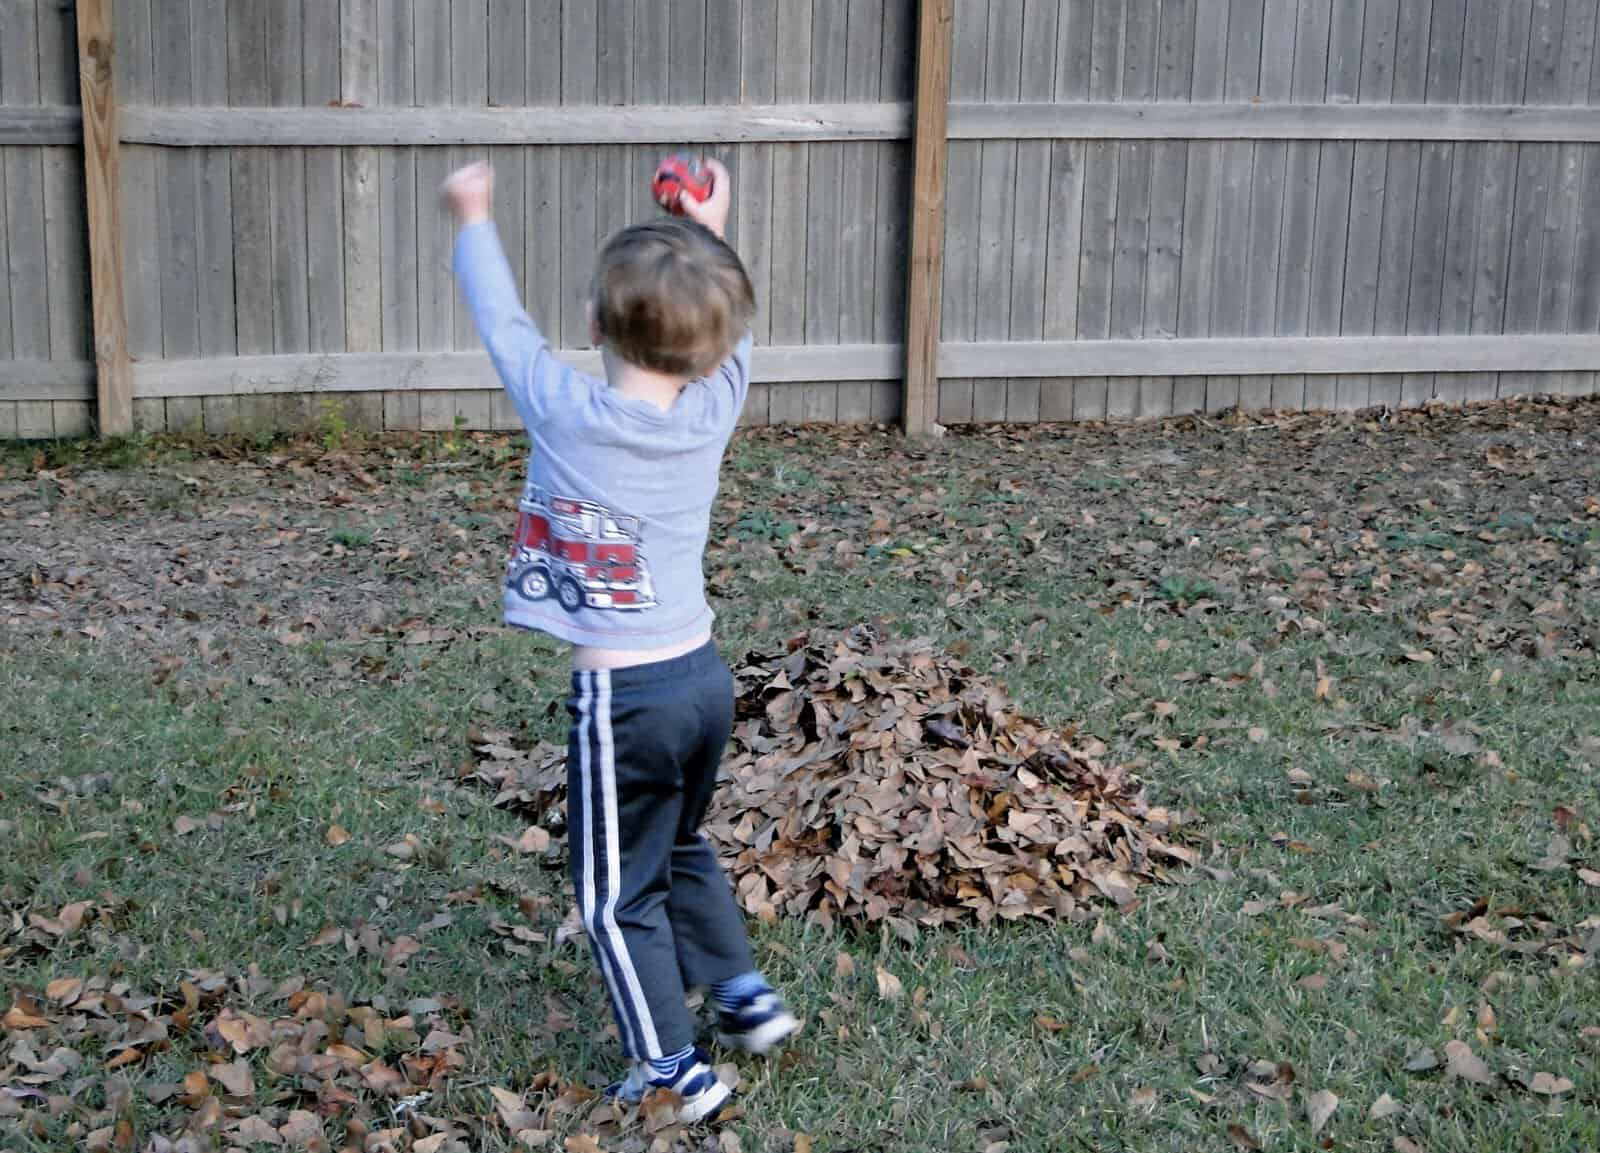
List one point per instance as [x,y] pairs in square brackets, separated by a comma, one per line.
[959,210]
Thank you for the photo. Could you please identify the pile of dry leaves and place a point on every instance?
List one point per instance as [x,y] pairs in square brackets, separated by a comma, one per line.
[314,1065]
[885,781]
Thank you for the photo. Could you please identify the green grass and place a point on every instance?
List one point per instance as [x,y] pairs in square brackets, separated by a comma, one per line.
[1164,1007]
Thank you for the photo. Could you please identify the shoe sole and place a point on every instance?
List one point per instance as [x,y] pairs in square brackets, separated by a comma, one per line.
[764,1038]
[705,1105]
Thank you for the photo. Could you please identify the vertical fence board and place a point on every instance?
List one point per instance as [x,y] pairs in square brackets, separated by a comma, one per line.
[252,221]
[790,165]
[1168,189]
[1241,82]
[1263,265]
[214,274]
[324,180]
[997,193]
[959,301]
[1125,398]
[398,268]
[435,287]
[291,330]
[1201,192]
[1331,231]
[1032,214]
[173,73]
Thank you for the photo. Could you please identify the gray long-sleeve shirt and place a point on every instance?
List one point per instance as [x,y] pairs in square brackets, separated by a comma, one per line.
[615,514]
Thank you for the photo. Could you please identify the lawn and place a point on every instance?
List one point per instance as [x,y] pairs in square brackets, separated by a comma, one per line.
[1362,655]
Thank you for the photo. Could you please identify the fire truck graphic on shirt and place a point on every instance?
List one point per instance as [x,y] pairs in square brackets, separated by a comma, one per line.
[579,552]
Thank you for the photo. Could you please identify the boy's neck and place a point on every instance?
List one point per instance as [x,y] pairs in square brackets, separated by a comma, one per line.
[655,388]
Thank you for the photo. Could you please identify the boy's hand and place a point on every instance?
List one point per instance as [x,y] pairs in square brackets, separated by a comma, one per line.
[713,211]
[469,192]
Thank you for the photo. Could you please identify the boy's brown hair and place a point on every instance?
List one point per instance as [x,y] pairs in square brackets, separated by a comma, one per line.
[670,297]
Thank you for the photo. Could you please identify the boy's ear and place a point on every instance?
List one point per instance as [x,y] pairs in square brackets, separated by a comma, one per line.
[593,322]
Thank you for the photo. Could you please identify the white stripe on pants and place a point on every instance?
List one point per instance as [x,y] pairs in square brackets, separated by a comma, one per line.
[587,905]
[651,1047]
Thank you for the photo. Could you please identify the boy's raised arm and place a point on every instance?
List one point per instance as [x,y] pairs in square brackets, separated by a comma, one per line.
[520,352]
[713,214]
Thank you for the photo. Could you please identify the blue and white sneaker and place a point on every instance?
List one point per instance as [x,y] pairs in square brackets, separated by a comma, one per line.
[757,1024]
[694,1081]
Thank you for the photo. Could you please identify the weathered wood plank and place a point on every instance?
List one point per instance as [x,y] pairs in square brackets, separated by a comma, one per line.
[291,329]
[1368,190]
[58,55]
[997,179]
[46,380]
[1250,355]
[363,227]
[426,372]
[1558,287]
[1299,120]
[829,30]
[40,126]
[790,182]
[788,122]
[251,200]
[542,217]
[1135,167]
[1168,188]
[27,260]
[1331,232]
[176,169]
[73,419]
[925,273]
[469,87]
[753,198]
[1263,266]
[1241,83]
[1202,190]
[36,420]
[398,267]
[963,182]
[67,254]
[1535,180]
[686,51]
[213,257]
[1097,252]
[1400,197]
[508,87]
[8,420]
[579,85]
[1498,198]
[102,188]
[859,212]
[436,291]
[1446,45]
[1040,29]
[324,181]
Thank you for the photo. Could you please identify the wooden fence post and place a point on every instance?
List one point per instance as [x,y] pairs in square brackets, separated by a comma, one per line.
[103,188]
[924,289]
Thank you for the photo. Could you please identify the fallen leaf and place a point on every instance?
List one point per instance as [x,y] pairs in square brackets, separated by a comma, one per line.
[64,990]
[236,1078]
[256,1131]
[430,1144]
[185,825]
[1319,1108]
[583,1143]
[18,1018]
[303,1130]
[1406,1145]
[889,986]
[1384,1106]
[534,839]
[1462,1062]
[327,935]
[1589,877]
[1549,1085]
[1422,1061]
[1049,1024]
[1314,983]
[336,835]
[844,967]
[1242,1138]
[802,1143]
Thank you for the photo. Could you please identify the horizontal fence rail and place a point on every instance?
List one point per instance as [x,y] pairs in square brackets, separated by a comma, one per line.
[201,127]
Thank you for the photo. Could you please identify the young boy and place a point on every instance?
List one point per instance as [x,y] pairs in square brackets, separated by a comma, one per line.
[613,525]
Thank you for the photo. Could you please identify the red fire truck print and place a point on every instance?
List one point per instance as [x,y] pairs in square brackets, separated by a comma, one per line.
[579,552]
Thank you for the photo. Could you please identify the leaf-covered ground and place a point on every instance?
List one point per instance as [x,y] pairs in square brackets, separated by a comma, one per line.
[251,892]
